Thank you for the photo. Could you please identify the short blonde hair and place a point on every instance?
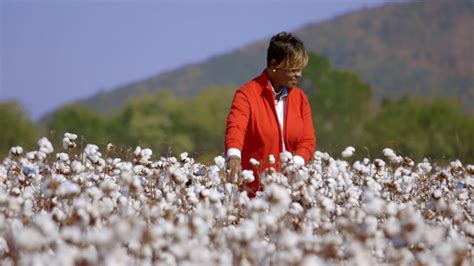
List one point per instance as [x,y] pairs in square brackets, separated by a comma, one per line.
[287,49]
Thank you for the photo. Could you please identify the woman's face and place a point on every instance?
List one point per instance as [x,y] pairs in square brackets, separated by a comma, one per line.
[286,75]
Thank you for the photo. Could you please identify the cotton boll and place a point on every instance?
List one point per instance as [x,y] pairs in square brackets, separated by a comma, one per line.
[87,256]
[3,174]
[248,230]
[183,156]
[126,177]
[77,167]
[16,151]
[470,169]
[204,193]
[28,193]
[296,209]
[45,145]
[258,205]
[178,175]
[391,208]
[92,152]
[437,194]
[147,153]
[392,156]
[271,159]
[244,200]
[254,162]
[136,187]
[58,215]
[348,152]
[215,196]
[412,225]
[328,205]
[68,141]
[3,246]
[286,157]
[360,168]
[172,160]
[372,204]
[248,176]
[456,164]
[330,246]
[100,237]
[389,153]
[71,234]
[434,235]
[137,151]
[311,260]
[110,147]
[321,156]
[70,136]
[468,229]
[31,155]
[198,226]
[370,225]
[424,167]
[105,206]
[40,156]
[220,162]
[30,239]
[392,227]
[379,163]
[68,190]
[142,155]
[46,226]
[277,195]
[62,156]
[289,240]
[27,208]
[108,186]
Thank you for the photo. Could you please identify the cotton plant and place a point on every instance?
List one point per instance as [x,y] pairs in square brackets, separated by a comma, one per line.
[96,209]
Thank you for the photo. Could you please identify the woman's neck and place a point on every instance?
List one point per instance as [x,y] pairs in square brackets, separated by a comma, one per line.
[276,87]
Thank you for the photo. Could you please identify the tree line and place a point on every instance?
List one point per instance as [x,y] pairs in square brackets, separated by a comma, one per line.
[344,113]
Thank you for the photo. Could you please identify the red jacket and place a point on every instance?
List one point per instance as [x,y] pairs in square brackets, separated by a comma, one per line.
[253,128]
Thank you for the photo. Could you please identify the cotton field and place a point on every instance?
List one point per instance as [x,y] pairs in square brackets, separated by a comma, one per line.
[89,208]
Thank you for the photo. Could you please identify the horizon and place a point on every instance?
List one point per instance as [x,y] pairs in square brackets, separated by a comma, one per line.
[93,47]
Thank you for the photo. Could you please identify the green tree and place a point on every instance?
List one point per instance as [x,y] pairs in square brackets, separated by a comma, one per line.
[16,128]
[153,121]
[340,101]
[205,120]
[436,129]
[74,118]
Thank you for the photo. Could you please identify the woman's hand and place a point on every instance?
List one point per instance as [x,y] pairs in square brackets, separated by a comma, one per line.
[234,169]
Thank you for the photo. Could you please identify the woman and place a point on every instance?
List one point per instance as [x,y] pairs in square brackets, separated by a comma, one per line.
[269,114]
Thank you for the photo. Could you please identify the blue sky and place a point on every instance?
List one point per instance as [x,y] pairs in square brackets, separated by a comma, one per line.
[56,52]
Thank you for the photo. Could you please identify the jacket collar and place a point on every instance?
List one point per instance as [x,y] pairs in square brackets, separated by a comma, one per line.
[264,82]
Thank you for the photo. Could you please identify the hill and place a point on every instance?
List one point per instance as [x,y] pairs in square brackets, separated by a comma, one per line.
[409,48]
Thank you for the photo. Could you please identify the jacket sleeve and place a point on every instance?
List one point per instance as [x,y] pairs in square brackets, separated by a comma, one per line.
[237,121]
[307,144]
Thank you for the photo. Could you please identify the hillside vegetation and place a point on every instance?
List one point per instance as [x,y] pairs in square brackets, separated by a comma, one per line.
[343,109]
[414,48]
